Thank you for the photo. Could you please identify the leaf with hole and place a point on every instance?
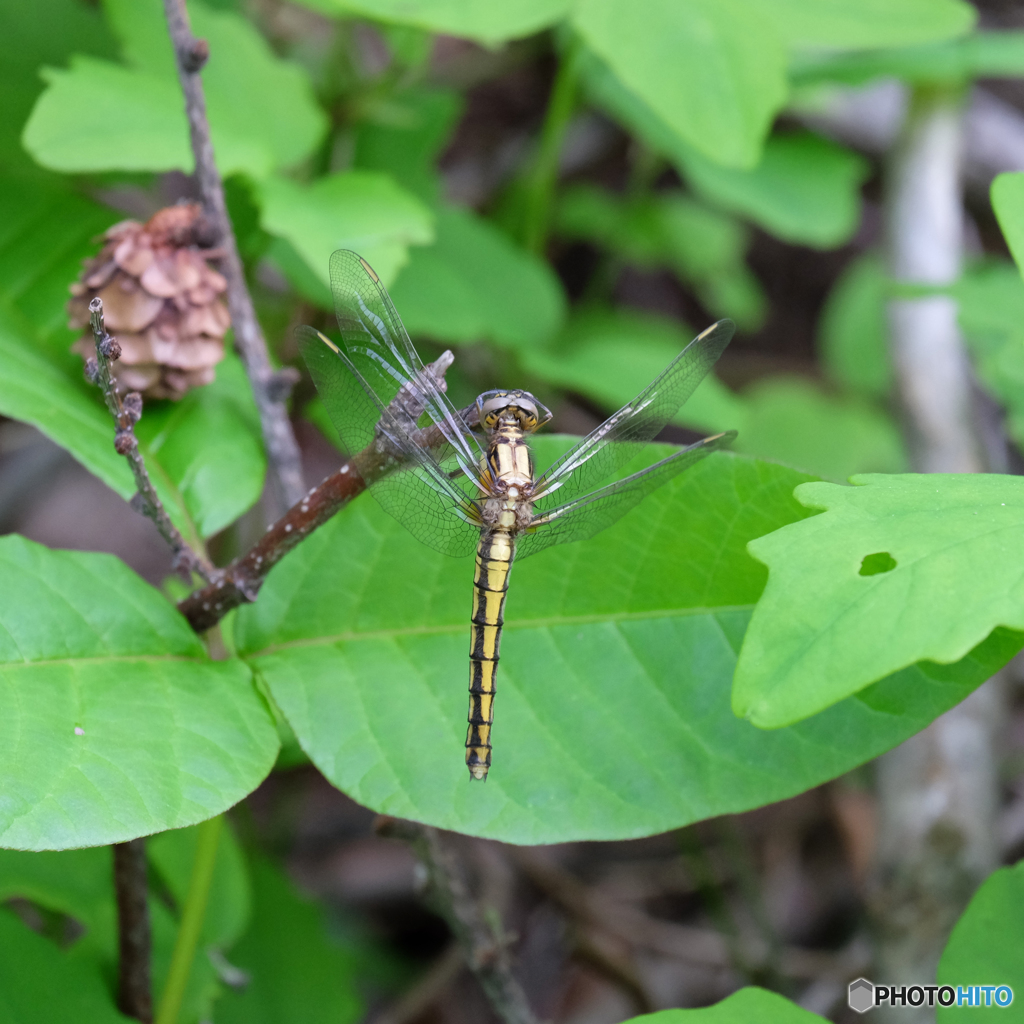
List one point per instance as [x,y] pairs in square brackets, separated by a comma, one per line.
[830,623]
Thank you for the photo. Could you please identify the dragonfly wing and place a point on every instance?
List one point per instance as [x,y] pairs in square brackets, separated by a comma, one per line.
[616,441]
[435,509]
[584,517]
[378,348]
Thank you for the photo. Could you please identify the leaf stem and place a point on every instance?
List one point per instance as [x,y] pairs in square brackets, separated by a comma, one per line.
[541,184]
[192,916]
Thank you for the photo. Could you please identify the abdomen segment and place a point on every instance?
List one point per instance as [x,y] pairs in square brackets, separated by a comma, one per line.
[493,562]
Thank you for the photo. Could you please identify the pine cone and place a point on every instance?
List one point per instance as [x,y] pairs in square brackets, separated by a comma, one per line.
[161,299]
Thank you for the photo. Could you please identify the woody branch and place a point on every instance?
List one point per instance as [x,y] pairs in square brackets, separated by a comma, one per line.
[270,388]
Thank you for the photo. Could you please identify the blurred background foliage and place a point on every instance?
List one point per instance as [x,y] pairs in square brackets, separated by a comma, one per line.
[564,191]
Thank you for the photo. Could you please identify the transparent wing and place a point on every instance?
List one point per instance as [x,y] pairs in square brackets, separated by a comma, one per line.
[360,386]
[378,348]
[612,445]
[584,517]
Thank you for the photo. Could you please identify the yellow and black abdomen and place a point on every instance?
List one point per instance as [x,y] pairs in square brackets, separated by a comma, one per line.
[494,557]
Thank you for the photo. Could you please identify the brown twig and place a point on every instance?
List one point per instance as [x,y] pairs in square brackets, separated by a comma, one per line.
[270,388]
[127,412]
[240,582]
[134,996]
[448,890]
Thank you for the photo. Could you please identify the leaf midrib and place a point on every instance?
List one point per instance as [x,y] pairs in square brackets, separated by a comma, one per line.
[105,659]
[520,624]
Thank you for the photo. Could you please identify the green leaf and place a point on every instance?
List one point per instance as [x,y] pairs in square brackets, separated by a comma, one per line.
[38,982]
[853,336]
[298,975]
[100,116]
[208,447]
[805,189]
[613,718]
[230,903]
[37,32]
[824,629]
[712,70]
[46,231]
[360,210]
[985,946]
[860,24]
[406,138]
[115,724]
[474,283]
[610,356]
[742,1007]
[830,435]
[483,20]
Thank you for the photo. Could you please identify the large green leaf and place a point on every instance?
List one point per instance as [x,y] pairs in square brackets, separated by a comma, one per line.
[38,982]
[115,724]
[99,116]
[712,70]
[805,189]
[610,356]
[986,943]
[298,975]
[484,20]
[743,1007]
[474,283]
[896,570]
[795,420]
[613,717]
[360,210]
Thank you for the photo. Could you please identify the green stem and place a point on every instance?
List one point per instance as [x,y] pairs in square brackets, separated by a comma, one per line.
[192,916]
[541,184]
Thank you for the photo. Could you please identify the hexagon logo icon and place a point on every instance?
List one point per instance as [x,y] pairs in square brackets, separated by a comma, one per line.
[861,995]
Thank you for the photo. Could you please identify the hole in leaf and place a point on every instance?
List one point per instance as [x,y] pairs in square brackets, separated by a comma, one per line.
[880,561]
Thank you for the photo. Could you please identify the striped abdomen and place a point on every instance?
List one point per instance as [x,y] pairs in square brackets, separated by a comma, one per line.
[494,557]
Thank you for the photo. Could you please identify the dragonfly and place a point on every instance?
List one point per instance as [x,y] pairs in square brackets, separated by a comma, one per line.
[473,488]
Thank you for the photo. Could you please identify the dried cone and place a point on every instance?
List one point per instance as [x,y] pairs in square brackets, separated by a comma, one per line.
[161,299]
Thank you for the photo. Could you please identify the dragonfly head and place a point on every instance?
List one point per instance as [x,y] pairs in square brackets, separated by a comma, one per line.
[518,408]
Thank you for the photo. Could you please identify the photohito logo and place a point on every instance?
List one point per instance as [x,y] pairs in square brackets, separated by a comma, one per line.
[863,995]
